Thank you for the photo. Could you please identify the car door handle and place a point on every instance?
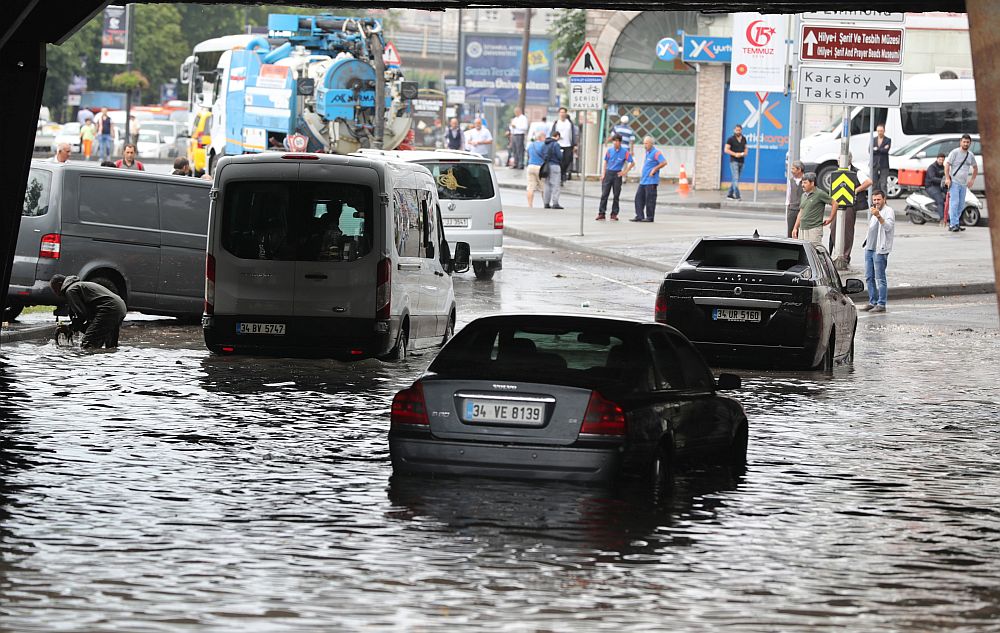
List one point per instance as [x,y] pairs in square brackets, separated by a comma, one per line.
[315,276]
[409,266]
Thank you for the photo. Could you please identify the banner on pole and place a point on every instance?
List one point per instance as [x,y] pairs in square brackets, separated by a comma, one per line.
[114,37]
[760,53]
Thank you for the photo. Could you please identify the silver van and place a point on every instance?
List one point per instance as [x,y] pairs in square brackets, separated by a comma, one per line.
[470,201]
[140,234]
[327,255]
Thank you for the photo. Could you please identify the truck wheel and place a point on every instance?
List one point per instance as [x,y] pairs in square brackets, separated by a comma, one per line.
[483,271]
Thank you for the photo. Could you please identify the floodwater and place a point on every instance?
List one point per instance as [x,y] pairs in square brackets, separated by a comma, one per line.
[159,488]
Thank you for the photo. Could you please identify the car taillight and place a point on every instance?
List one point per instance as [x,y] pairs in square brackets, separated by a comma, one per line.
[50,246]
[498,220]
[603,417]
[814,319]
[383,290]
[408,407]
[209,284]
[660,311]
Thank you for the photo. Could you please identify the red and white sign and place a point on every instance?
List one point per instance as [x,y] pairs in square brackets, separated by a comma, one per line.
[759,52]
[390,55]
[851,44]
[587,63]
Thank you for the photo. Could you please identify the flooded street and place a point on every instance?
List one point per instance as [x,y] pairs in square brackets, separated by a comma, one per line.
[159,488]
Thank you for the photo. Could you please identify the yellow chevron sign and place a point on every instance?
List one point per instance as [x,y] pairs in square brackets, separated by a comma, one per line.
[842,188]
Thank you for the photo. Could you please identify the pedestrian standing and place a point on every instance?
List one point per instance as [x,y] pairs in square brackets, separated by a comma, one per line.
[553,155]
[453,135]
[624,131]
[133,130]
[538,126]
[882,144]
[736,149]
[518,129]
[61,156]
[105,129]
[878,244]
[809,223]
[536,159]
[83,114]
[567,140]
[617,163]
[478,138]
[98,311]
[645,197]
[961,162]
[794,196]
[88,132]
[128,161]
[862,183]
[933,183]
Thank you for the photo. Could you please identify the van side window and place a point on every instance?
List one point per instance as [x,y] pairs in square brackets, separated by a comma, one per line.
[36,196]
[428,214]
[409,223]
[119,201]
[184,209]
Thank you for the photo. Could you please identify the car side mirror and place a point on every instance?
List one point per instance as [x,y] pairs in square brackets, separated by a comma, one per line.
[460,262]
[921,155]
[854,286]
[728,382]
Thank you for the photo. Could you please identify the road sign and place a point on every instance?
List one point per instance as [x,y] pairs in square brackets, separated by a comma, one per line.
[390,55]
[854,16]
[586,93]
[878,87]
[456,94]
[841,43]
[707,49]
[842,188]
[586,64]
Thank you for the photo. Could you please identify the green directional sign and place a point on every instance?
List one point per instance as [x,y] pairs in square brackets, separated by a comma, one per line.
[842,188]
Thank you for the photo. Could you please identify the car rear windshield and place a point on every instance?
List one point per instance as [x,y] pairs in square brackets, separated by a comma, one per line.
[593,356]
[297,221]
[458,180]
[747,255]
[36,196]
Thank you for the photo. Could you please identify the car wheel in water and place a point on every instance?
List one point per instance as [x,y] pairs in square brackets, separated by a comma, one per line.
[398,352]
[483,272]
[11,312]
[849,359]
[970,217]
[828,358]
[738,449]
[449,330]
[107,283]
[661,468]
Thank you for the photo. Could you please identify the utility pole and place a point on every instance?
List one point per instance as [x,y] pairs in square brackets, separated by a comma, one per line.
[525,43]
[129,15]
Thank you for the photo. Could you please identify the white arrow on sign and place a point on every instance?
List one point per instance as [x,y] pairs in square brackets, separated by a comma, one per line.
[810,41]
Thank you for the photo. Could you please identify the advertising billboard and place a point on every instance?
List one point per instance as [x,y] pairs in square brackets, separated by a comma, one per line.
[759,52]
[491,68]
[770,119]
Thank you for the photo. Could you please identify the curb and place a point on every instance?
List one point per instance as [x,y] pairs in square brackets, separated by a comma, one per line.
[38,332]
[895,292]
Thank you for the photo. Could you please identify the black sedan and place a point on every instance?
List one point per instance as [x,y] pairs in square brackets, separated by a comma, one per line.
[572,398]
[761,301]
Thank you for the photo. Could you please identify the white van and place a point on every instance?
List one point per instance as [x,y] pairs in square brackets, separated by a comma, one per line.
[470,201]
[930,105]
[327,255]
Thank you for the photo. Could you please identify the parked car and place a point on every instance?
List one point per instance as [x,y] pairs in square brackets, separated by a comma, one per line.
[45,135]
[470,202]
[574,398]
[921,152]
[761,301]
[151,144]
[174,136]
[68,133]
[327,255]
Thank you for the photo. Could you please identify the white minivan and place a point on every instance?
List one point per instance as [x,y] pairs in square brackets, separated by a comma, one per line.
[327,255]
[929,105]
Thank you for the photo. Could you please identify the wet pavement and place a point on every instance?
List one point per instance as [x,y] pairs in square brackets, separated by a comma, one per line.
[159,488]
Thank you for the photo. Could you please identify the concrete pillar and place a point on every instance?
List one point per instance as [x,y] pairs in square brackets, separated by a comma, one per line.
[709,113]
[984,16]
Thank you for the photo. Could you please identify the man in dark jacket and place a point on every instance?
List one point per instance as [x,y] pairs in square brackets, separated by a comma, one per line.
[99,310]
[932,183]
[881,146]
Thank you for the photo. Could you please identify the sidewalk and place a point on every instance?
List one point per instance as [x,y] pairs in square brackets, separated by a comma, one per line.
[926,260]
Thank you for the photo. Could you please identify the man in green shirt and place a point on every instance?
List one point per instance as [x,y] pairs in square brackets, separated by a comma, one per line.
[809,225]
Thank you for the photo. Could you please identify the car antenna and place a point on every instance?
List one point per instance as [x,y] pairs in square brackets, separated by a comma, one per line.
[756,235]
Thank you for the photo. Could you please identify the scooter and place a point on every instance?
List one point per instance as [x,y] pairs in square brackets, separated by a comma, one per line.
[921,208]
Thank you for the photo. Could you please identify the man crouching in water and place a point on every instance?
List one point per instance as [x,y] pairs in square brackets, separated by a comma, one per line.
[101,310]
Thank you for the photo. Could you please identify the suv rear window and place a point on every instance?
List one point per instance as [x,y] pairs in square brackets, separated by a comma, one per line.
[36,196]
[458,180]
[297,221]
[747,255]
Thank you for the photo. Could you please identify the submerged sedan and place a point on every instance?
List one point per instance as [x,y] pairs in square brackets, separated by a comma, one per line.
[761,301]
[565,397]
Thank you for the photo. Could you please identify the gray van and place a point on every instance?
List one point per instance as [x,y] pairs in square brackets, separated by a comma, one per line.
[142,235]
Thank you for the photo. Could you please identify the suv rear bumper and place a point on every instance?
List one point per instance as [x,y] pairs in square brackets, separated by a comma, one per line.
[334,337]
[758,355]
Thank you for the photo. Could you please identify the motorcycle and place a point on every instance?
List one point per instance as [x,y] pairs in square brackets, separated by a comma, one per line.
[921,208]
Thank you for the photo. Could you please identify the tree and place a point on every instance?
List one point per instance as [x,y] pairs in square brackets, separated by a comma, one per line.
[569,33]
[159,48]
[130,80]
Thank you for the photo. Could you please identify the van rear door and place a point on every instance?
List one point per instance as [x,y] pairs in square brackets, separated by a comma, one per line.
[339,220]
[183,235]
[39,218]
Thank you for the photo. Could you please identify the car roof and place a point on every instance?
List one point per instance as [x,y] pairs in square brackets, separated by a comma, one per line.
[750,238]
[356,159]
[550,319]
[424,155]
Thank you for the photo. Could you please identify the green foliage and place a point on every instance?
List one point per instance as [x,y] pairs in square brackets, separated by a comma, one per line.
[129,80]
[159,47]
[569,32]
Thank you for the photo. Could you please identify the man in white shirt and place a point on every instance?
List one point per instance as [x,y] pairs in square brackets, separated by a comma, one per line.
[518,128]
[878,244]
[62,154]
[478,138]
[567,140]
